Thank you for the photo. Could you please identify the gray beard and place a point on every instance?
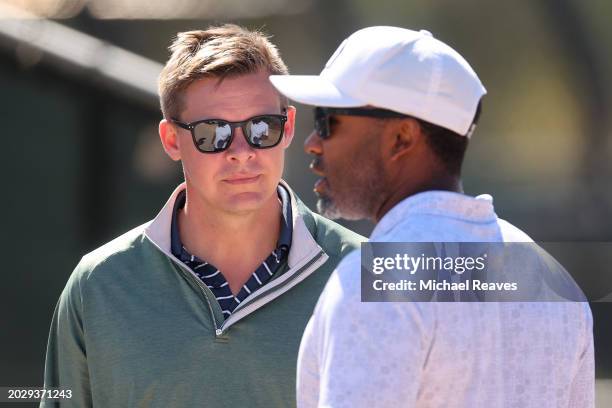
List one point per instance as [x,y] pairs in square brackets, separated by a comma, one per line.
[358,205]
[327,208]
[362,191]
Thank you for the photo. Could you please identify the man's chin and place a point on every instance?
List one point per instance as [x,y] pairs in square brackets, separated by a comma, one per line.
[330,209]
[327,208]
[245,202]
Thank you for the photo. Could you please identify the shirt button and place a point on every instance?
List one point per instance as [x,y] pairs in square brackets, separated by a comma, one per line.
[218,332]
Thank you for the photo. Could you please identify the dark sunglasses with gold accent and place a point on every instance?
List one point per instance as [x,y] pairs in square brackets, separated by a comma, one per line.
[321,116]
[216,135]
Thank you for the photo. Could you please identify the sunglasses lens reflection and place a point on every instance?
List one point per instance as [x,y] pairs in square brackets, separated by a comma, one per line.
[264,131]
[213,136]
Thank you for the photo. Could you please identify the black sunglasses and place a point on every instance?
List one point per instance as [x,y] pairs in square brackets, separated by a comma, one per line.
[216,135]
[321,116]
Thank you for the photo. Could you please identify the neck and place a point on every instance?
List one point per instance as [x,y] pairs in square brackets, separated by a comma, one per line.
[403,190]
[231,241]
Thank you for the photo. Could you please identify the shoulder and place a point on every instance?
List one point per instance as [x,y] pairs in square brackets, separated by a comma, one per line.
[336,238]
[124,250]
[103,262]
[510,233]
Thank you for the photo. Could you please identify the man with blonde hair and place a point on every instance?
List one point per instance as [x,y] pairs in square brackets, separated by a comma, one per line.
[205,304]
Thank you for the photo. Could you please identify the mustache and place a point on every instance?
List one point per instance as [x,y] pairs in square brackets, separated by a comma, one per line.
[317,164]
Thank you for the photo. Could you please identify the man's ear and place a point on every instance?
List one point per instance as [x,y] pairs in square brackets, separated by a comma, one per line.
[289,127]
[405,136]
[169,139]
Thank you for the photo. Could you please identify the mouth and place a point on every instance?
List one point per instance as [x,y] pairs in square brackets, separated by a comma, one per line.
[320,186]
[242,179]
[315,167]
[322,183]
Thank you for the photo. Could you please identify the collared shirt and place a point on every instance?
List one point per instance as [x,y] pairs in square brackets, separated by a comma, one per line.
[213,277]
[133,326]
[418,354]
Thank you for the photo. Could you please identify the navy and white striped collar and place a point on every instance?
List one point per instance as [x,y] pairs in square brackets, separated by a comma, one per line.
[214,279]
[304,246]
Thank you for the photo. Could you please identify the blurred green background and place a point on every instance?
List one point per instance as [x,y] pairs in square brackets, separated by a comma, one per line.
[83,162]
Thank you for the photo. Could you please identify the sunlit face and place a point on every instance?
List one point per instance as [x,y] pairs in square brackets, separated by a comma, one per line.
[241,178]
[350,165]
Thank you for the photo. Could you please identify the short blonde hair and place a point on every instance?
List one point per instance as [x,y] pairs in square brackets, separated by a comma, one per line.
[218,52]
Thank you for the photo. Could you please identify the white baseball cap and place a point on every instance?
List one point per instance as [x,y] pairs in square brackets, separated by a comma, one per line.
[393,68]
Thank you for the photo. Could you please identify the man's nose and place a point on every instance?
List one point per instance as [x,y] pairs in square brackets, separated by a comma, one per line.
[312,144]
[239,149]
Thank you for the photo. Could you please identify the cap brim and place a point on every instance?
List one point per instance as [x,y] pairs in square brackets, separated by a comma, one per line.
[312,90]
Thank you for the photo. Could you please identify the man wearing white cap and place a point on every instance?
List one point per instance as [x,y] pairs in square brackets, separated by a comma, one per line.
[395,109]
